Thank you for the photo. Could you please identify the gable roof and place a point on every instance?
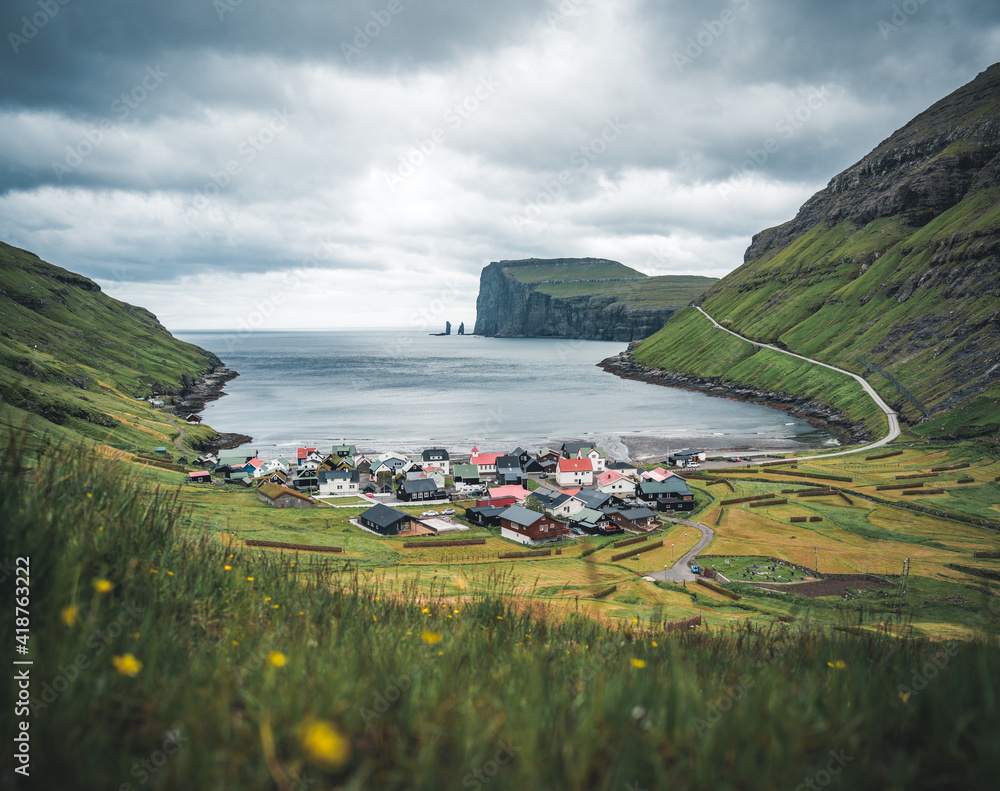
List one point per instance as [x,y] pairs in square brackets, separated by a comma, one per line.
[589,516]
[384,516]
[592,499]
[575,465]
[338,475]
[549,498]
[419,485]
[302,453]
[435,454]
[512,463]
[634,514]
[480,459]
[466,471]
[521,516]
[610,476]
[620,465]
[349,450]
[672,485]
[517,492]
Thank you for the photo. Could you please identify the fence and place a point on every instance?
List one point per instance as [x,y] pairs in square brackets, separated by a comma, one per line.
[873,368]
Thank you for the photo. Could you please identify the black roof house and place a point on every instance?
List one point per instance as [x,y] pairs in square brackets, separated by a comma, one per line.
[385,520]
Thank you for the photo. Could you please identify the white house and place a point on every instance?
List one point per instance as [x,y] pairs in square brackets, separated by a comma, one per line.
[611,482]
[486,462]
[338,483]
[575,472]
[596,456]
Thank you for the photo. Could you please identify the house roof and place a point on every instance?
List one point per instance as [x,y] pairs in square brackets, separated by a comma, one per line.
[517,492]
[610,476]
[338,475]
[420,485]
[620,465]
[273,491]
[636,513]
[199,474]
[575,465]
[686,454]
[435,454]
[487,511]
[673,485]
[350,450]
[521,516]
[548,497]
[592,499]
[384,516]
[255,463]
[509,463]
[481,459]
[466,471]
[236,454]
[302,453]
[588,516]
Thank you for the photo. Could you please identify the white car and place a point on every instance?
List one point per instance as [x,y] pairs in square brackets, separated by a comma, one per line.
[448,512]
[692,464]
[429,513]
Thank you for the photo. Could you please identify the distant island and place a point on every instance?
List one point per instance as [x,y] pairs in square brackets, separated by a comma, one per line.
[586,298]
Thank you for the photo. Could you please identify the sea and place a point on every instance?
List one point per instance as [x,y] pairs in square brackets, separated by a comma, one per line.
[406,390]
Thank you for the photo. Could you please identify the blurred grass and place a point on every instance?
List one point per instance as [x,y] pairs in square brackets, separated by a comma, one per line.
[428,689]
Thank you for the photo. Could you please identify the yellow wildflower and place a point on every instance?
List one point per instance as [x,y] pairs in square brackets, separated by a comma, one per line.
[170,573]
[127,665]
[90,496]
[69,614]
[227,568]
[904,696]
[431,638]
[249,579]
[154,571]
[277,659]
[426,611]
[103,586]
[324,744]
[837,664]
[638,663]
[655,644]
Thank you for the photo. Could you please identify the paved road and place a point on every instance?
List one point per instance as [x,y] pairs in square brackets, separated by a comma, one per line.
[889,413]
[178,441]
[681,571]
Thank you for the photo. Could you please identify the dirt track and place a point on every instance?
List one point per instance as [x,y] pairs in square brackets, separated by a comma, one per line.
[824,587]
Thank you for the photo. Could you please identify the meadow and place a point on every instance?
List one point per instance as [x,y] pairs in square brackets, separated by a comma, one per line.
[164,658]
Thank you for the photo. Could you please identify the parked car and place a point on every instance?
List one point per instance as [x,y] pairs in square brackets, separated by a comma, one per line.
[692,464]
[544,475]
[429,513]
[734,459]
[448,512]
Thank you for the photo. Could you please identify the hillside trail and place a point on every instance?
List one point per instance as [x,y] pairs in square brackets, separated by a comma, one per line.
[179,440]
[882,405]
[681,570]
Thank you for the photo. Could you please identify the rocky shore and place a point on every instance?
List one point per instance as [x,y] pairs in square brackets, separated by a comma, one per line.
[207,387]
[813,412]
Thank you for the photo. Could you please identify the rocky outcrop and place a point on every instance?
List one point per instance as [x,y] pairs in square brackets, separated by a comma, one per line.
[814,412]
[509,308]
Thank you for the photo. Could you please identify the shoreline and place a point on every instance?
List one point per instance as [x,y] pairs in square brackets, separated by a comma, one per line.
[209,387]
[816,414]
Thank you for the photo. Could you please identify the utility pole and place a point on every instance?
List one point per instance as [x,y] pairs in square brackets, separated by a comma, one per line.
[816,555]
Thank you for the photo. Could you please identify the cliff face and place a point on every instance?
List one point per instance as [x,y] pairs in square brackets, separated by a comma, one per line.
[590,299]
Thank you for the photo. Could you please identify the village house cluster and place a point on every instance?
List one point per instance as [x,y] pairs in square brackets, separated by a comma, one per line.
[534,498]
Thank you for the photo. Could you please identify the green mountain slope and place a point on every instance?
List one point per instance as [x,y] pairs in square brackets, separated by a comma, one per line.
[892,272]
[74,361]
[578,298]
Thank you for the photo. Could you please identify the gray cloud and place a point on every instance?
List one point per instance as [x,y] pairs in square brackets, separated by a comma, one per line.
[167,143]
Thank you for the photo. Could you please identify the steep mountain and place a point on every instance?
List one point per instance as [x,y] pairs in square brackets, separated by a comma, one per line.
[589,298]
[892,271]
[76,362]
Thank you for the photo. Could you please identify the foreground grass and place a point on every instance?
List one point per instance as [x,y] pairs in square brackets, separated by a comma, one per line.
[165,662]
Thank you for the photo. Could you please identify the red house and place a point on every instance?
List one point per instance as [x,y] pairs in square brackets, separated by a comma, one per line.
[530,527]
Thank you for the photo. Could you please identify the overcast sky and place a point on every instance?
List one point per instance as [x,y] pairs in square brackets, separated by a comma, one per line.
[311,164]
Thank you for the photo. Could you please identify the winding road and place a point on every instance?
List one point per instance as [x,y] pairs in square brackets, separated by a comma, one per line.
[681,570]
[889,412]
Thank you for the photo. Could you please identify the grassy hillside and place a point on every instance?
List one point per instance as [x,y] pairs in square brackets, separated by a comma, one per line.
[161,662]
[890,272]
[74,361]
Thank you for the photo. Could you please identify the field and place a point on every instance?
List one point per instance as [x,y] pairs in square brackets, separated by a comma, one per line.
[167,657]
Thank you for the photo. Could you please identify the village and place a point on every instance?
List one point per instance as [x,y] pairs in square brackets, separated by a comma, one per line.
[534,498]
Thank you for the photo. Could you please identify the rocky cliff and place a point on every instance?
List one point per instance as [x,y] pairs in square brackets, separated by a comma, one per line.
[587,298]
[891,271]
